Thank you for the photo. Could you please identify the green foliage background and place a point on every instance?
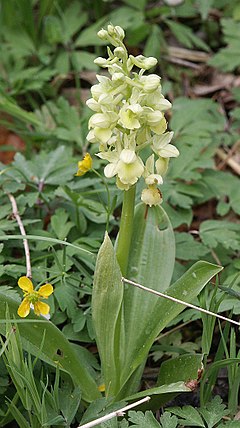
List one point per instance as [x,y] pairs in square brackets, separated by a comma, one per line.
[47,50]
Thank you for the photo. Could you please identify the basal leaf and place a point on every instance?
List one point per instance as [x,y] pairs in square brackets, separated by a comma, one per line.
[106,310]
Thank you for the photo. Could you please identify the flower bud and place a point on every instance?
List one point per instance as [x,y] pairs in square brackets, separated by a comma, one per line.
[102,34]
[111,30]
[102,62]
[151,196]
[118,76]
[154,179]
[119,52]
[154,117]
[120,32]
[93,105]
[162,165]
[143,62]
[151,82]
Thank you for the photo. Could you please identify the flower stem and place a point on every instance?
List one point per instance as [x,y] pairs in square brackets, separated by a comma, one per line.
[126,227]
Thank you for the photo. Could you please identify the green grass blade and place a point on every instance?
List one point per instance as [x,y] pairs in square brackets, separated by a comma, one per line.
[55,350]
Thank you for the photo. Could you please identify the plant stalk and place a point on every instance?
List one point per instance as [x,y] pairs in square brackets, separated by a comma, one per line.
[126,227]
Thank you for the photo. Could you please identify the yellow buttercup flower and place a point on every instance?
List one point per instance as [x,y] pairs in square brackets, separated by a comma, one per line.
[85,165]
[33,297]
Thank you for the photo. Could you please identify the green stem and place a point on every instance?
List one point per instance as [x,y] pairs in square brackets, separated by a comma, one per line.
[126,227]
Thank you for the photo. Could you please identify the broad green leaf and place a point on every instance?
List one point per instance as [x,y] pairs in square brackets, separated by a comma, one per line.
[185,368]
[185,289]
[227,58]
[151,263]
[55,348]
[106,310]
[160,391]
[182,368]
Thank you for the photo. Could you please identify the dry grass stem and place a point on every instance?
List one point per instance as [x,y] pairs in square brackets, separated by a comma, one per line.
[117,413]
[23,233]
[189,305]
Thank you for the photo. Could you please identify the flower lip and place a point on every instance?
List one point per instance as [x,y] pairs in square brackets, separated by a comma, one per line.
[128,156]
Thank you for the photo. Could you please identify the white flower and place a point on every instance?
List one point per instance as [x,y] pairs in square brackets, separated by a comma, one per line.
[154,179]
[126,165]
[150,83]
[149,175]
[93,105]
[102,34]
[162,147]
[156,100]
[162,165]
[142,62]
[130,167]
[129,116]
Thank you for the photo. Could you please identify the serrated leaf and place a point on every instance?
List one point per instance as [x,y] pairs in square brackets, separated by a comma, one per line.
[227,58]
[143,420]
[214,411]
[60,224]
[189,415]
[215,232]
[186,36]
[204,6]
[187,248]
[168,421]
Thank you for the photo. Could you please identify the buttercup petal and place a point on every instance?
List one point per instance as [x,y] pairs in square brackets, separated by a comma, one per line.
[25,284]
[45,290]
[24,308]
[41,308]
[85,165]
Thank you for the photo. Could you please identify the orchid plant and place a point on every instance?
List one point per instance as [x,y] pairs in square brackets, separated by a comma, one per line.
[130,127]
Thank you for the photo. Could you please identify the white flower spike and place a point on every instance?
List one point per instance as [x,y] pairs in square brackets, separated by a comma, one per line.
[129,118]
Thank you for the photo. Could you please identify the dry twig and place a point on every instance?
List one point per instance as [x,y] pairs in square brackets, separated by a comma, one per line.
[189,305]
[23,233]
[117,413]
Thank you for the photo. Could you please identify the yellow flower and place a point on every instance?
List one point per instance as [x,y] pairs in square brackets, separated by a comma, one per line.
[33,297]
[85,165]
